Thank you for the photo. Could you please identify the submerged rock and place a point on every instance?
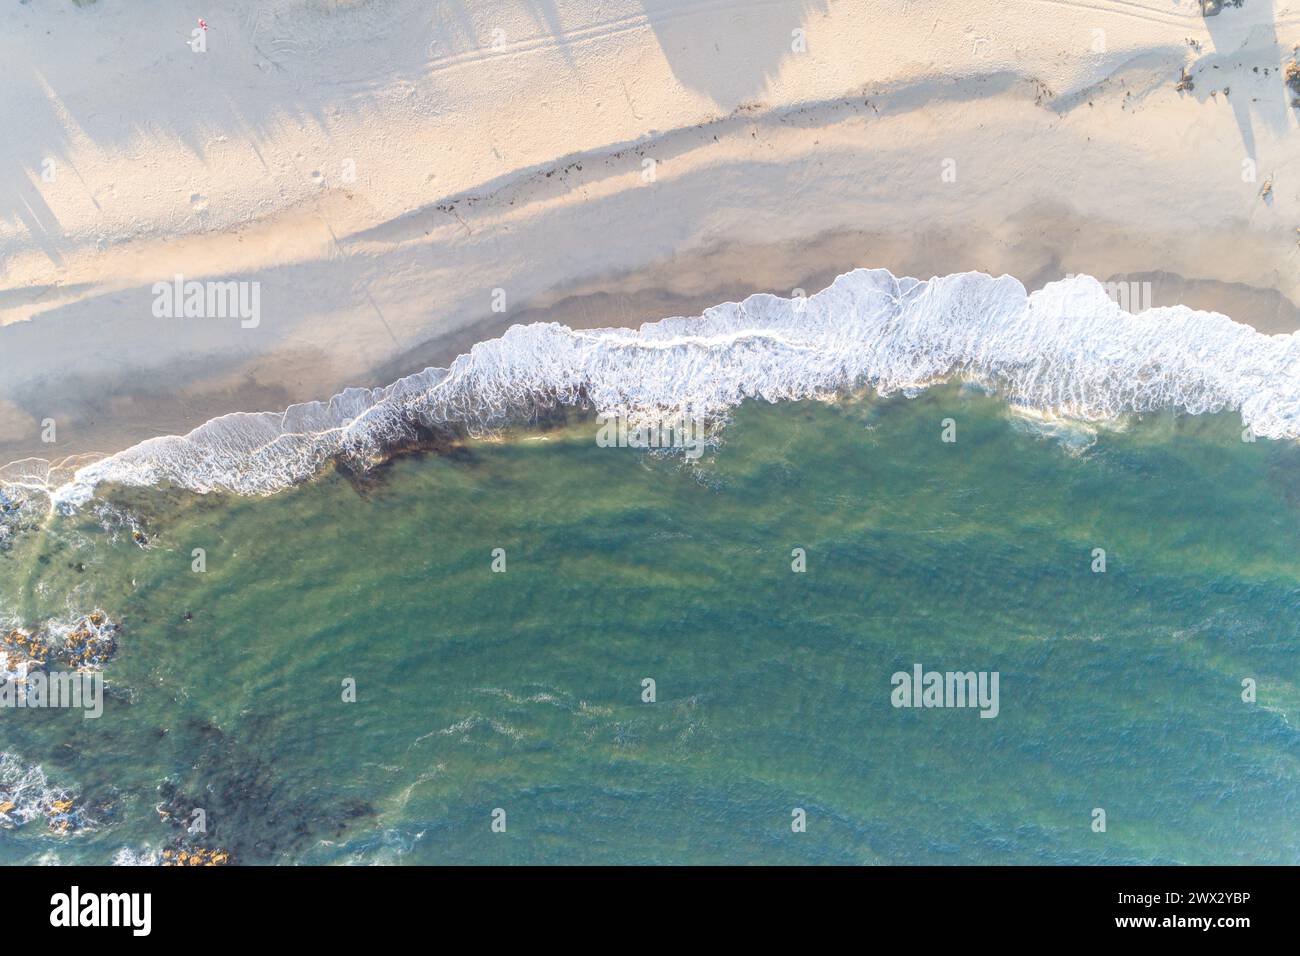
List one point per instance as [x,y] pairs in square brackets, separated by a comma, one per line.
[26,795]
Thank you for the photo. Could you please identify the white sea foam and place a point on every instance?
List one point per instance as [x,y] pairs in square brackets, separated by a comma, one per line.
[126,856]
[1067,349]
[26,794]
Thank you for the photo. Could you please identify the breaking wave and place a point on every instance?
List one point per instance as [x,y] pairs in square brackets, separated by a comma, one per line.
[26,794]
[1067,348]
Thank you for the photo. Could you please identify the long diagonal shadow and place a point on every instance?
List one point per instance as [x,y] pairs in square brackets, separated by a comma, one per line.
[1250,30]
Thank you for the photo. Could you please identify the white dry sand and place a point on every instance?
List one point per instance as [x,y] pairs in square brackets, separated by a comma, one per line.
[382,167]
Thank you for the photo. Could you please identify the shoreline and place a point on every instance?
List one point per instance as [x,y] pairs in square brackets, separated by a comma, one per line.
[931,161]
[665,290]
[1068,349]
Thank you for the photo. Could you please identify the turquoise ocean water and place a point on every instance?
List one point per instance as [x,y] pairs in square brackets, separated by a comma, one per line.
[522,691]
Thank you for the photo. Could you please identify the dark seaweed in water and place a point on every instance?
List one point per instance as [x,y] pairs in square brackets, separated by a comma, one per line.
[365,477]
[17,515]
[251,812]
[450,441]
[1284,472]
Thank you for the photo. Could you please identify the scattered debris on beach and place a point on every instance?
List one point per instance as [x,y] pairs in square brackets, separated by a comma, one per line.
[1212,8]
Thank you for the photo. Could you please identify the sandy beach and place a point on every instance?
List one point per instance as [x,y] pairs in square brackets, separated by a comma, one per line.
[520,162]
[559,433]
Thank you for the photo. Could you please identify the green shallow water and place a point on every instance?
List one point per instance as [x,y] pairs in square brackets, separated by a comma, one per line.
[522,690]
